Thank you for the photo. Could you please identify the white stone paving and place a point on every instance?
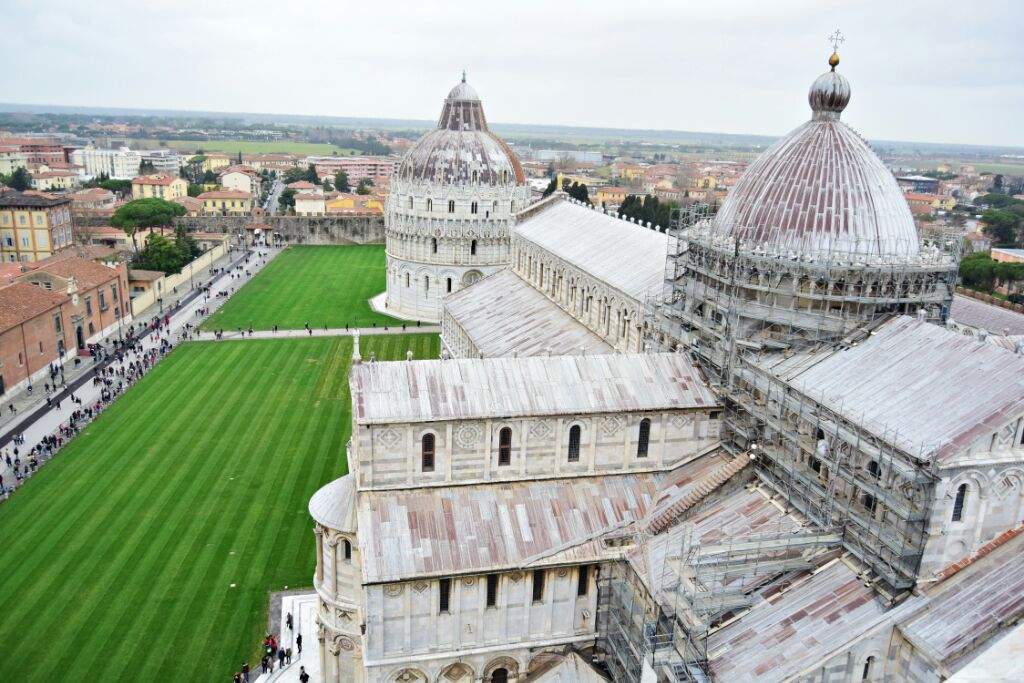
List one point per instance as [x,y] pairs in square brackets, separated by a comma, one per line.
[303,608]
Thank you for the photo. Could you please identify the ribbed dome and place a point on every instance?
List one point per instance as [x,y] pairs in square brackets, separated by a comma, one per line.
[462,150]
[820,192]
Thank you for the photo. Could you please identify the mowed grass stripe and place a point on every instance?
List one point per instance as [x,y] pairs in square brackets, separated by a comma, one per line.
[325,286]
[141,549]
[117,564]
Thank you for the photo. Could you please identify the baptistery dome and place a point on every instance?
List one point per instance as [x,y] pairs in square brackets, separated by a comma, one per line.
[462,149]
[820,192]
[451,202]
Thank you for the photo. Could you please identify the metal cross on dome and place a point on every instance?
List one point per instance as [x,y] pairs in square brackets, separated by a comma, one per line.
[836,39]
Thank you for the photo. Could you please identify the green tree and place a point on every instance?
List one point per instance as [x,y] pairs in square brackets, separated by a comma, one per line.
[159,253]
[364,186]
[19,179]
[976,272]
[311,175]
[552,186]
[286,200]
[146,213]
[341,182]
[551,173]
[1001,225]
[209,177]
[194,190]
[328,187]
[146,167]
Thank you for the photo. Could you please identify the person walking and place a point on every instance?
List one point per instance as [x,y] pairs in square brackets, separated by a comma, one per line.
[298,644]
[245,672]
[288,619]
[280,658]
[263,664]
[303,676]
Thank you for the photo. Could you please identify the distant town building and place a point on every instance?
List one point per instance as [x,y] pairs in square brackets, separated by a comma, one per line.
[54,180]
[159,185]
[377,169]
[37,150]
[226,203]
[241,178]
[33,225]
[918,183]
[93,198]
[163,160]
[193,205]
[577,155]
[119,164]
[11,159]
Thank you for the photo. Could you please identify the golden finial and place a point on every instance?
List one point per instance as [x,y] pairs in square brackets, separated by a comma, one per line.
[836,39]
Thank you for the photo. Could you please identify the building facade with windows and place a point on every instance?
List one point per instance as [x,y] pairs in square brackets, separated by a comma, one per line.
[33,226]
[118,164]
[53,309]
[159,186]
[447,217]
[505,490]
[226,203]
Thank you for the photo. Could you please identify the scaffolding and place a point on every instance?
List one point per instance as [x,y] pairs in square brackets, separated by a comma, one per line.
[733,304]
[663,626]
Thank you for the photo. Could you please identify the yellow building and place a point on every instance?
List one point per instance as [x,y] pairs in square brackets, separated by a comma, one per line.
[611,195]
[215,162]
[354,203]
[226,203]
[159,185]
[705,182]
[45,181]
[33,225]
[565,179]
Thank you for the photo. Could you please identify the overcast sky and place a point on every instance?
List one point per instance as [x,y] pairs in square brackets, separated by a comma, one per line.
[937,71]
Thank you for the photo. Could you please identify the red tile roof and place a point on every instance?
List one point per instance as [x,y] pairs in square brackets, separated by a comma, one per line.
[155,179]
[21,302]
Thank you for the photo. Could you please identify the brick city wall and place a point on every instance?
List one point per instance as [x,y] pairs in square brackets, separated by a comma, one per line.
[299,229]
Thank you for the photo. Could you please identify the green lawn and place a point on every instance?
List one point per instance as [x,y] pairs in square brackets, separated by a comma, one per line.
[147,549]
[253,147]
[321,285]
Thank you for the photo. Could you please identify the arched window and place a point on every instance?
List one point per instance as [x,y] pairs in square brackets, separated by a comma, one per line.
[815,464]
[433,245]
[407,279]
[473,207]
[427,453]
[869,664]
[451,206]
[449,285]
[505,446]
[869,502]
[430,205]
[347,548]
[574,443]
[426,285]
[476,176]
[410,202]
[500,675]
[874,470]
[643,438]
[472,248]
[958,503]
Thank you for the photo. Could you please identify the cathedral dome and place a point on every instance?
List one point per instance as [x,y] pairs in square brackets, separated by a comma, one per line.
[820,192]
[462,150]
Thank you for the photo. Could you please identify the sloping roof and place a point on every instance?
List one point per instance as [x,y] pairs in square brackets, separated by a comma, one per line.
[462,529]
[155,179]
[505,316]
[624,255]
[136,275]
[929,390]
[334,505]
[21,301]
[427,390]
[973,604]
[13,199]
[87,273]
[778,639]
[819,190]
[994,319]
[572,669]
[225,194]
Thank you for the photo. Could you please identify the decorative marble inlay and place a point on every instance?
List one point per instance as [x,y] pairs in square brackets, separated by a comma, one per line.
[468,435]
[389,437]
[612,425]
[540,429]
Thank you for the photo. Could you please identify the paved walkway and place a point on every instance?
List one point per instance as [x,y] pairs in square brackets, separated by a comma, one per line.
[325,332]
[303,608]
[38,421]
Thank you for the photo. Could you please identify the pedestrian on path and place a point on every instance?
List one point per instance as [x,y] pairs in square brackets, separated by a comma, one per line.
[298,643]
[288,619]
[245,672]
[303,676]
[288,655]
[280,658]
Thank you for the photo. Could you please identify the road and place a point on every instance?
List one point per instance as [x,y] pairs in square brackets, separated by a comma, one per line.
[275,192]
